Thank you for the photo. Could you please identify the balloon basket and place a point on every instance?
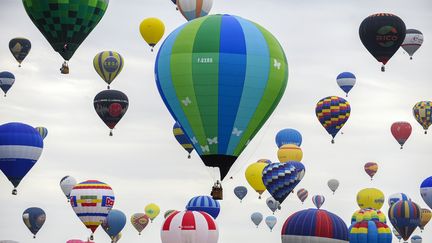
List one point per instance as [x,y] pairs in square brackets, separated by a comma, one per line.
[332,141]
[189,156]
[217,191]
[91,237]
[111,133]
[14,191]
[34,236]
[382,68]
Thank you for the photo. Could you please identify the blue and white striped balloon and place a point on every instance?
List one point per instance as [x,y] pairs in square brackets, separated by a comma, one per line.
[7,79]
[204,203]
[20,148]
[426,191]
[346,81]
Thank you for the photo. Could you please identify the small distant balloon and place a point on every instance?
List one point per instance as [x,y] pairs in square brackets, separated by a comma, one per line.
[7,79]
[139,221]
[67,183]
[288,136]
[272,204]
[152,31]
[20,48]
[346,81]
[271,222]
[257,218]
[240,192]
[401,132]
[43,131]
[371,169]
[333,184]
[302,194]
[333,112]
[318,200]
[422,112]
[412,42]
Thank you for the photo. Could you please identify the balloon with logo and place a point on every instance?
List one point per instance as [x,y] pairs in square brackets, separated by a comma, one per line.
[111,105]
[43,131]
[207,75]
[257,218]
[108,64]
[346,81]
[405,217]
[20,48]
[114,223]
[182,139]
[271,222]
[152,31]
[205,204]
[318,200]
[20,148]
[65,24]
[302,194]
[333,112]
[426,191]
[288,136]
[280,179]
[290,152]
[412,42]
[426,216]
[272,204]
[401,132]
[371,169]
[382,34]
[422,112]
[139,221]
[92,200]
[333,184]
[416,239]
[253,175]
[192,9]
[67,183]
[34,218]
[396,197]
[370,198]
[152,211]
[7,79]
[240,192]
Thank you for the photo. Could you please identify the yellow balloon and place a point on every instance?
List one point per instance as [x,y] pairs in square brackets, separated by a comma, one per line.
[152,30]
[290,152]
[152,211]
[253,175]
[370,198]
[426,216]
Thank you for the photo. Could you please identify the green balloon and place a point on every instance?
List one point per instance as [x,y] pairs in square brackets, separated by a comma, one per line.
[65,23]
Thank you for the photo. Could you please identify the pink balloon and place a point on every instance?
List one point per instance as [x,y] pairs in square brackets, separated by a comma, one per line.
[74,241]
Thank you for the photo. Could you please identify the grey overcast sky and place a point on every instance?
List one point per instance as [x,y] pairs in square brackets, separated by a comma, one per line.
[143,162]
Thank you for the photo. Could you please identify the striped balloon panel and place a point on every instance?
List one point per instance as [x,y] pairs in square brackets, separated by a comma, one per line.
[190,226]
[204,203]
[192,9]
[405,217]
[7,79]
[20,148]
[20,48]
[221,77]
[108,64]
[92,200]
[346,81]
[370,232]
[181,138]
[302,194]
[422,112]
[316,223]
[333,112]
[394,198]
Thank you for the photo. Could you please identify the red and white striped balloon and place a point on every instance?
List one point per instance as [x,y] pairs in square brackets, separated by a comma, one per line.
[189,227]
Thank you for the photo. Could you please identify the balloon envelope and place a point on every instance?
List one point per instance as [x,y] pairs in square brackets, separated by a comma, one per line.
[139,221]
[7,79]
[34,218]
[318,200]
[152,211]
[370,198]
[346,81]
[114,223]
[370,231]
[66,184]
[416,239]
[401,132]
[396,197]
[412,42]
[288,136]
[20,48]
[272,204]
[290,152]
[152,30]
[256,218]
[333,184]
[111,105]
[192,9]
[181,138]
[422,112]
[43,131]
[405,217]
[302,194]
[271,221]
[426,191]
[108,64]
[332,112]
[426,216]
[240,192]
[371,169]
[253,175]
[205,204]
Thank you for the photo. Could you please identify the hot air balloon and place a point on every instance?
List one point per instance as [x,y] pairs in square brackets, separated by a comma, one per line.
[182,139]
[382,34]
[91,201]
[20,48]
[7,79]
[66,184]
[405,217]
[302,194]
[333,184]
[205,204]
[257,218]
[169,212]
[65,24]
[371,169]
[280,179]
[401,132]
[412,42]
[426,216]
[139,221]
[214,88]
[42,131]
[318,200]
[189,226]
[114,223]
[368,214]
[8,241]
[20,148]
[111,105]
[152,211]
[416,239]
[422,112]
[290,152]
[288,136]
[152,31]
[74,241]
[394,198]
[272,204]
[253,175]
[240,192]
[271,222]
[346,81]
[34,218]
[370,231]
[426,191]
[314,225]
[192,9]
[108,64]
[370,198]
[333,112]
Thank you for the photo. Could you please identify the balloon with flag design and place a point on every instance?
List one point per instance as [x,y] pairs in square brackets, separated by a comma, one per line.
[333,112]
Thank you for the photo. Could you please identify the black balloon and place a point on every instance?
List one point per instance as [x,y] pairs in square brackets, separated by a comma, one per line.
[111,105]
[382,34]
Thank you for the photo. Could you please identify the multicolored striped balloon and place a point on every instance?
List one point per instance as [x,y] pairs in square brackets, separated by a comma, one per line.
[405,217]
[370,231]
[368,214]
[91,201]
[422,112]
[396,197]
[371,169]
[302,194]
[192,9]
[182,139]
[108,64]
[318,200]
[333,112]
[43,131]
[221,77]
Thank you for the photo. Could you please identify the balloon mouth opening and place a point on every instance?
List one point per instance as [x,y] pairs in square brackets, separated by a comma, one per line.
[222,161]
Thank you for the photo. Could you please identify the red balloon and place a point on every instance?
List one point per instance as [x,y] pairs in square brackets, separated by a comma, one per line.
[401,132]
